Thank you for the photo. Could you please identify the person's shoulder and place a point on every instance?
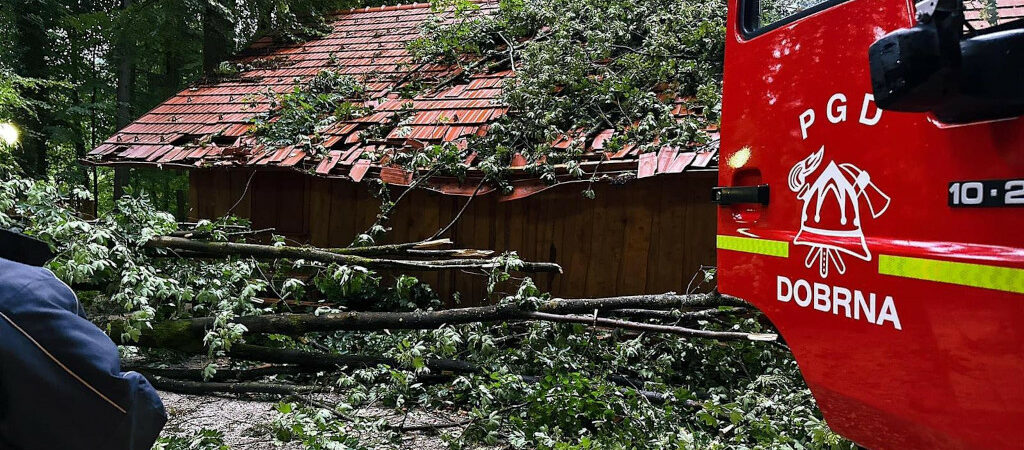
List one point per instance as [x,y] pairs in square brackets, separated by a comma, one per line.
[16,276]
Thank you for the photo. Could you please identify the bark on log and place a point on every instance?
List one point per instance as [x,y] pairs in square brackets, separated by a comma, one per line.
[388,249]
[255,373]
[195,234]
[639,326]
[316,254]
[449,253]
[203,388]
[187,335]
[190,381]
[327,361]
[654,301]
[671,315]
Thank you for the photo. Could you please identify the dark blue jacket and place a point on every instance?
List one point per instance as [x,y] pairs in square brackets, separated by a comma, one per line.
[61,385]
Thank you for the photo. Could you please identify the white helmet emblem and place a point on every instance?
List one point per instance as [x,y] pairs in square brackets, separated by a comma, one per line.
[830,223]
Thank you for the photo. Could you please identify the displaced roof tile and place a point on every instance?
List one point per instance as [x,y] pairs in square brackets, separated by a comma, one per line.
[208,124]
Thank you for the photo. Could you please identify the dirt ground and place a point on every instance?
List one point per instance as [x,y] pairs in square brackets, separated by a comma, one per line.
[246,424]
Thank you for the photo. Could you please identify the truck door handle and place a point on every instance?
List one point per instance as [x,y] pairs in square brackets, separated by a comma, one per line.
[729,195]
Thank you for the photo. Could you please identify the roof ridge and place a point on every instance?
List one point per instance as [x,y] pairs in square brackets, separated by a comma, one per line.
[400,6]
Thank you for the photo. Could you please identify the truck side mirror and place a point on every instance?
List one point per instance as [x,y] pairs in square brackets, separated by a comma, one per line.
[931,68]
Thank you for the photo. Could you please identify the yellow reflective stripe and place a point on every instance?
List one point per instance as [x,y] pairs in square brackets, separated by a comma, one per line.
[966,274]
[752,245]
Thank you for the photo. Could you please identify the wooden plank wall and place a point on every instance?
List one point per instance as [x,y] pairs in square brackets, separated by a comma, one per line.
[645,236]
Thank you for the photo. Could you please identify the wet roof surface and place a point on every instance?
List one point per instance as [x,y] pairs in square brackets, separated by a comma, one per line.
[207,125]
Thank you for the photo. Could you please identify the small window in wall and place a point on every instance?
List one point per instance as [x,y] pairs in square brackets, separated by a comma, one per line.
[759,16]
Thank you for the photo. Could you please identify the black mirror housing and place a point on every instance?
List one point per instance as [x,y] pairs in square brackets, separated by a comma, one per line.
[906,70]
[990,82]
[926,69]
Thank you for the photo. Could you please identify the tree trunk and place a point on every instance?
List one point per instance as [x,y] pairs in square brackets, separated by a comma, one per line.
[187,335]
[180,211]
[31,23]
[218,35]
[125,88]
[200,388]
[329,361]
[252,374]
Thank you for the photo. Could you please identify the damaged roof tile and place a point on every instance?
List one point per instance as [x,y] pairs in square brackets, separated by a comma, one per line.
[207,125]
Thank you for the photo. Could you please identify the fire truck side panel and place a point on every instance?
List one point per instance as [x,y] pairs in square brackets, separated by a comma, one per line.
[904,312]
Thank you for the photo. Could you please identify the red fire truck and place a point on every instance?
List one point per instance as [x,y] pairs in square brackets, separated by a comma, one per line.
[872,205]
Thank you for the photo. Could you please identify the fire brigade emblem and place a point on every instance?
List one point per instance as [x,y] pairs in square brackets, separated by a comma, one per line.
[831,221]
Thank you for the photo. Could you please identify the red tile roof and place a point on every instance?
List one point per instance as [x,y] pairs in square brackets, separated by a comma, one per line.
[206,125]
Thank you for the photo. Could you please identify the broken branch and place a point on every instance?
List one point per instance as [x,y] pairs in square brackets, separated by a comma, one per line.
[315,254]
[639,326]
[200,388]
[188,334]
[255,373]
[671,315]
[329,361]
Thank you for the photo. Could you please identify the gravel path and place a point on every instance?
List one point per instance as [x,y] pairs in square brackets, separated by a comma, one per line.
[246,424]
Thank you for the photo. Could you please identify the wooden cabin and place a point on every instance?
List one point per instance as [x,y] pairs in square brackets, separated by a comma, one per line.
[649,229]
[646,236]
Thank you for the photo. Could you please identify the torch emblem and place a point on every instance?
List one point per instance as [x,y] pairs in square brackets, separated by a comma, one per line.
[831,221]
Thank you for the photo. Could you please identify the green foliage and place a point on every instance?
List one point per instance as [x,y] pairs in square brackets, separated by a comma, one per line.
[11,100]
[588,65]
[359,288]
[204,439]
[297,117]
[459,27]
[542,385]
[13,89]
[314,429]
[567,386]
[108,254]
[73,72]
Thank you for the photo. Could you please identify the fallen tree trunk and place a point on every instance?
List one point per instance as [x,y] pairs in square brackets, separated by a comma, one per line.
[203,388]
[184,381]
[672,315]
[316,254]
[187,335]
[425,249]
[653,301]
[390,249]
[300,362]
[255,373]
[190,381]
[328,361]
[449,253]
